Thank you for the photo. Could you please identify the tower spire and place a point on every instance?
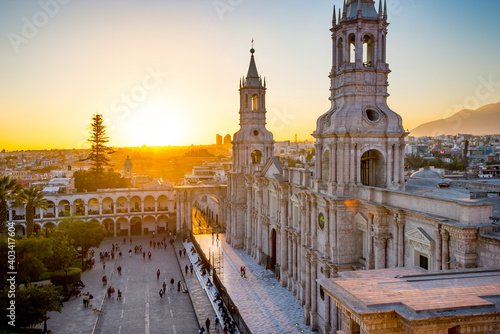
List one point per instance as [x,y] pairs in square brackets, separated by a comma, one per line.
[385,9]
[334,21]
[359,12]
[380,9]
[344,11]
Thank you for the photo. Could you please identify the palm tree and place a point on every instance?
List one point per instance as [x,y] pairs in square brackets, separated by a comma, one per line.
[8,188]
[31,198]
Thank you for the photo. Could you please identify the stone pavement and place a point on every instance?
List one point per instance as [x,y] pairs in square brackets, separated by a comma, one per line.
[201,304]
[141,310]
[265,306]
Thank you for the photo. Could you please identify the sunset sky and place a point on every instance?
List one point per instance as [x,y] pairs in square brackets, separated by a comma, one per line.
[166,72]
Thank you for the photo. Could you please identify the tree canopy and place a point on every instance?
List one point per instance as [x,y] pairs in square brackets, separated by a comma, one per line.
[31,198]
[84,234]
[99,150]
[86,181]
[8,189]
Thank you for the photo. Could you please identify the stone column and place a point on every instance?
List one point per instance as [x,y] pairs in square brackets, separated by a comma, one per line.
[397,164]
[114,208]
[369,247]
[380,242]
[290,261]
[333,231]
[100,208]
[354,164]
[326,250]
[340,161]
[314,294]
[389,165]
[327,326]
[334,310]
[314,224]
[284,242]
[439,260]
[333,158]
[295,265]
[401,243]
[259,221]
[307,307]
[248,225]
[445,237]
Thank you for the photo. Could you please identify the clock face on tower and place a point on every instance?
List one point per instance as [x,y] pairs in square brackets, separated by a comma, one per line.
[321,221]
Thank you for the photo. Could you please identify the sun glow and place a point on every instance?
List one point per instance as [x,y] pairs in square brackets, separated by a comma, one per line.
[158,125]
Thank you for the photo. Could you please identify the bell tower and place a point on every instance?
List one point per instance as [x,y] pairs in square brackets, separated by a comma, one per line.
[360,140]
[253,144]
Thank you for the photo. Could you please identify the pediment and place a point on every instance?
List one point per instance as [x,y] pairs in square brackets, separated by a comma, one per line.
[420,236]
[361,220]
[273,169]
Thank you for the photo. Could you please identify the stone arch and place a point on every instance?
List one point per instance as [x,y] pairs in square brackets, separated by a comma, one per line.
[368,50]
[149,225]
[256,156]
[78,207]
[162,224]
[20,230]
[274,248]
[37,227]
[50,226]
[136,226]
[109,225]
[135,204]
[162,203]
[340,52]
[373,171]
[149,203]
[122,227]
[93,206]
[107,205]
[122,205]
[352,48]
[50,212]
[63,208]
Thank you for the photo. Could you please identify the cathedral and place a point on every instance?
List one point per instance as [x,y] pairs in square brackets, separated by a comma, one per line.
[349,211]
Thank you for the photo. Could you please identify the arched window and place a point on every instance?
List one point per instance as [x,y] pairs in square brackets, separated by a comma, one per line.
[255,102]
[340,52]
[256,157]
[368,49]
[352,48]
[373,171]
[246,100]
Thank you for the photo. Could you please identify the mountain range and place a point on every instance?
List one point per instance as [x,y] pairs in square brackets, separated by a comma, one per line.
[482,121]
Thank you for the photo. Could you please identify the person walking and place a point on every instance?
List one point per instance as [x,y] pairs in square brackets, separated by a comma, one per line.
[191,267]
[172,281]
[179,286]
[161,293]
[207,323]
[103,265]
[216,323]
[90,299]
[186,269]
[119,270]
[149,255]
[164,286]
[180,253]
[158,274]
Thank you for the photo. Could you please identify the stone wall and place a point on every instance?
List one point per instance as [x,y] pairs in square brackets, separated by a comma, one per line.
[489,250]
[476,185]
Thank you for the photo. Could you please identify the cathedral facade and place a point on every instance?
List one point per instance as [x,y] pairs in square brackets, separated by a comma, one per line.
[350,211]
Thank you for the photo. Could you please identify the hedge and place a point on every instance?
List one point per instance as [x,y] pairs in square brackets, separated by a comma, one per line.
[59,277]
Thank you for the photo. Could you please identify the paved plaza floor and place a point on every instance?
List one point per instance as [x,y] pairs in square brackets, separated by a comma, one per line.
[265,306]
[141,309]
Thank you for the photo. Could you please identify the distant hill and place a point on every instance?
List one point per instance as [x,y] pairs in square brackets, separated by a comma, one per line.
[482,121]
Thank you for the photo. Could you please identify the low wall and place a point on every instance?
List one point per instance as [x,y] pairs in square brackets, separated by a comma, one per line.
[476,185]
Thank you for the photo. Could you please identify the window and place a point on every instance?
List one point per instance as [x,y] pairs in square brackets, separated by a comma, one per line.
[352,48]
[424,262]
[256,157]
[255,102]
[246,100]
[321,221]
[368,51]
[340,52]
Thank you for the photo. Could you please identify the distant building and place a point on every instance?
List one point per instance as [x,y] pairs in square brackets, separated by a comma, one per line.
[218,139]
[127,168]
[227,139]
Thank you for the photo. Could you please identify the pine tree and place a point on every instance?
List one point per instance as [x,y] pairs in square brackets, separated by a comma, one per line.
[99,151]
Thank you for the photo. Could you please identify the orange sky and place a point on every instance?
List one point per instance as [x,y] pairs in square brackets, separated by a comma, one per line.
[167,72]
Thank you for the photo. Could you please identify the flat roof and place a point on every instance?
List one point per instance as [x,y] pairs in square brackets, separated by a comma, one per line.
[417,293]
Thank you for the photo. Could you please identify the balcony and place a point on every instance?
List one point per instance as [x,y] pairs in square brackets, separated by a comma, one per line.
[64,214]
[93,212]
[18,217]
[160,208]
[121,210]
[107,211]
[149,209]
[48,215]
